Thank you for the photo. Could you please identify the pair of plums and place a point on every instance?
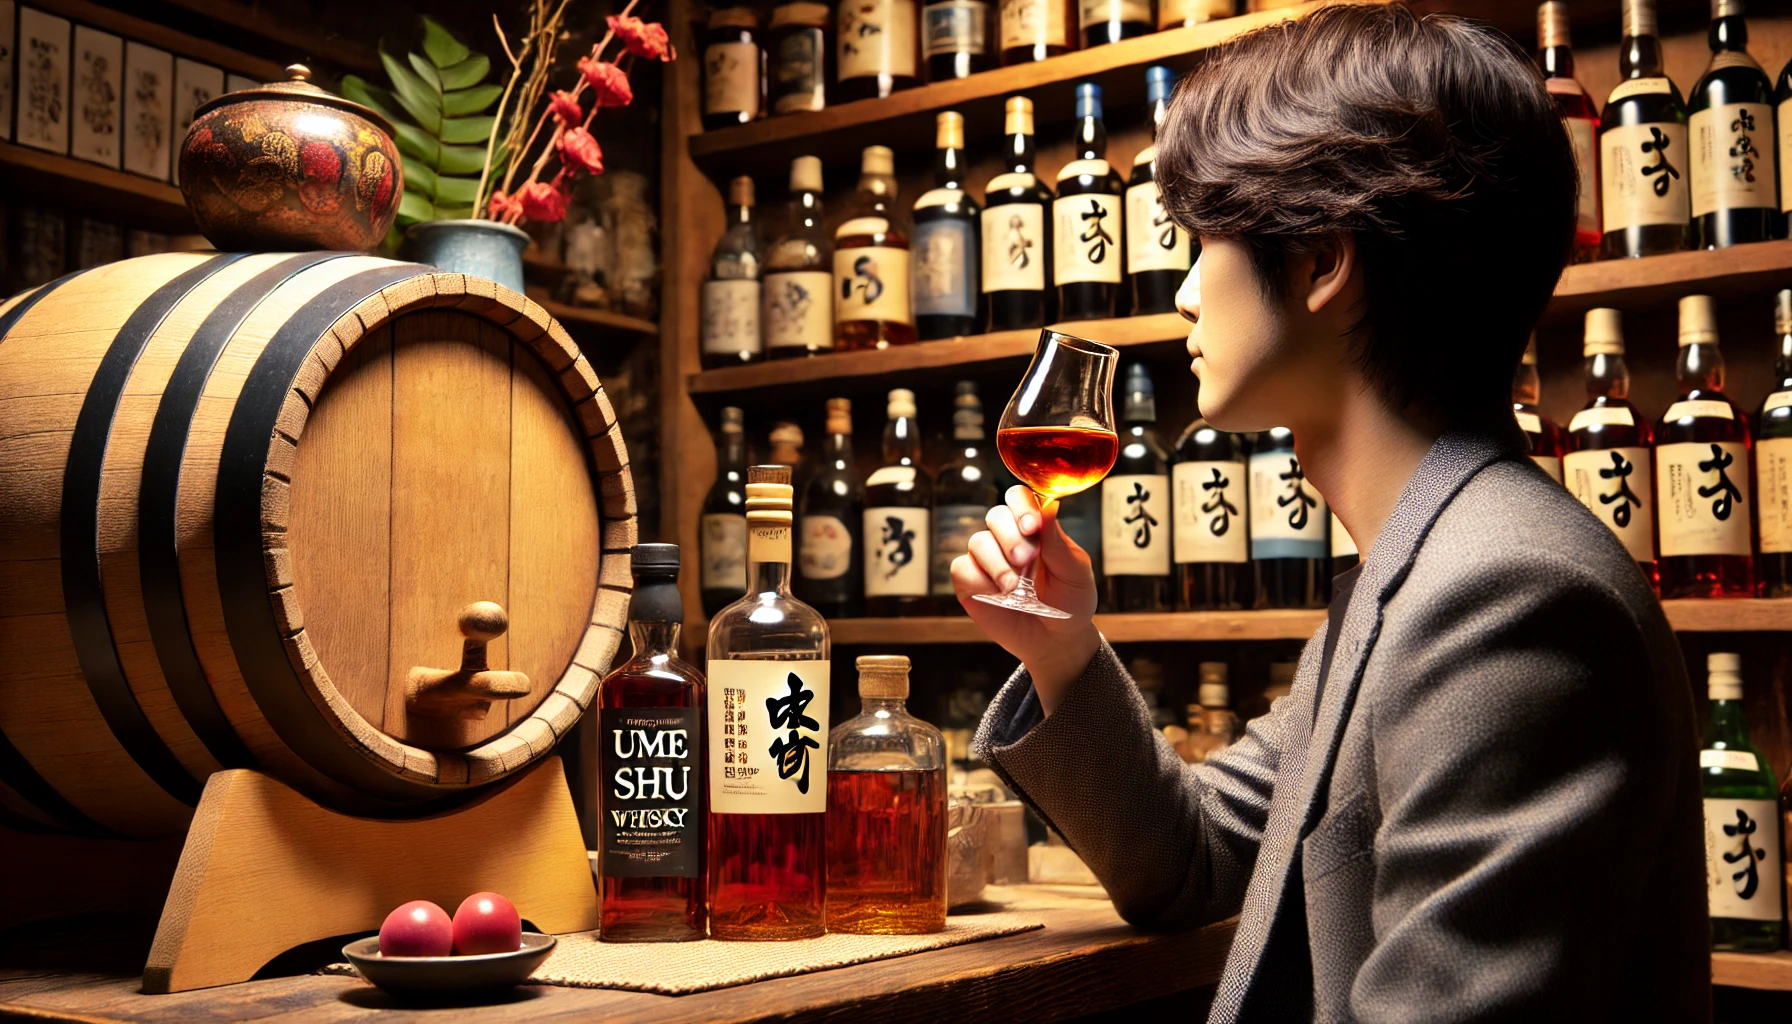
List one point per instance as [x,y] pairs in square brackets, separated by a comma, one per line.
[485,923]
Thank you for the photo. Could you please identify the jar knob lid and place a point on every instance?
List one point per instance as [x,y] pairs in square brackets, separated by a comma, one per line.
[298,72]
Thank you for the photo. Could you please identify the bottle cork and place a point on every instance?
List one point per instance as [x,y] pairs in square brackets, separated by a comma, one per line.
[769,493]
[740,191]
[1726,9]
[901,403]
[1604,333]
[1639,18]
[770,475]
[1552,24]
[878,160]
[839,416]
[883,676]
[1018,119]
[1530,351]
[786,434]
[805,174]
[1724,675]
[948,130]
[1782,308]
[1698,321]
[732,418]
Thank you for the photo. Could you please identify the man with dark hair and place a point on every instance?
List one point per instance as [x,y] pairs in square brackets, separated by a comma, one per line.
[1480,800]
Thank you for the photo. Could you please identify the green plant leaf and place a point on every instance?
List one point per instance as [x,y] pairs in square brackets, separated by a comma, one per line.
[441,46]
[456,191]
[414,95]
[454,212]
[370,96]
[461,159]
[469,72]
[470,101]
[425,70]
[467,129]
[415,142]
[418,177]
[414,207]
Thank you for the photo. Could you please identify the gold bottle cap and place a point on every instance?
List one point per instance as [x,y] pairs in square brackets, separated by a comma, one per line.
[1639,18]
[1698,321]
[1530,351]
[1019,117]
[1726,9]
[732,418]
[839,416]
[883,676]
[878,160]
[740,191]
[948,131]
[805,174]
[1604,333]
[1782,312]
[901,403]
[1552,24]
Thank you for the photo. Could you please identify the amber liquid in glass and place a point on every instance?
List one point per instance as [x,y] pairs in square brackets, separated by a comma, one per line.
[1058,461]
[767,873]
[886,851]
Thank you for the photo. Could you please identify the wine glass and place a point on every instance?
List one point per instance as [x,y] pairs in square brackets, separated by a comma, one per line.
[1057,437]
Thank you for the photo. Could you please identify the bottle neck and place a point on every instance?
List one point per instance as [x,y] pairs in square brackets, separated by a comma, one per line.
[1728,723]
[1158,110]
[653,638]
[1607,376]
[740,216]
[876,193]
[1526,388]
[734,456]
[805,212]
[1020,153]
[1729,32]
[1091,139]
[1557,62]
[1700,367]
[1640,57]
[768,577]
[886,705]
[837,450]
[948,167]
[902,442]
[1139,413]
[1782,360]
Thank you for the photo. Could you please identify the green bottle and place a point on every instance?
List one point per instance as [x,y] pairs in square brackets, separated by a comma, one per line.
[1742,821]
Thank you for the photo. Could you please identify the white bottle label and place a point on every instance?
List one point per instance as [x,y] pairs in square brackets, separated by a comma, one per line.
[1642,174]
[871,283]
[877,37]
[768,736]
[730,316]
[1086,238]
[1614,484]
[1581,135]
[952,530]
[1101,12]
[945,268]
[1785,120]
[1701,492]
[1342,542]
[1014,248]
[1153,241]
[954,26]
[1742,858]
[1601,415]
[1033,23]
[724,551]
[1773,476]
[1288,517]
[1210,512]
[897,545]
[1737,760]
[825,552]
[1549,464]
[1135,525]
[799,309]
[1732,158]
[731,79]
[1699,408]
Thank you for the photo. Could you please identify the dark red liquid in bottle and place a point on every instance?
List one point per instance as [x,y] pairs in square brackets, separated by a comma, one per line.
[886,851]
[768,884]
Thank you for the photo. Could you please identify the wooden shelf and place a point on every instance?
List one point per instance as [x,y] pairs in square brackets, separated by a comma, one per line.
[1662,280]
[1771,971]
[35,174]
[1296,624]
[588,317]
[904,121]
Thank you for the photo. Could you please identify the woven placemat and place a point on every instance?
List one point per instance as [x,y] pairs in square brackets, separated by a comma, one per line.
[681,968]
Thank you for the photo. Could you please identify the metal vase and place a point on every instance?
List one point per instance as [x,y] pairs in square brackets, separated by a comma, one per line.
[481,248]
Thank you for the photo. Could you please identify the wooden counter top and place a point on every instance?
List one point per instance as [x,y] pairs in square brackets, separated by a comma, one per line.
[1085,960]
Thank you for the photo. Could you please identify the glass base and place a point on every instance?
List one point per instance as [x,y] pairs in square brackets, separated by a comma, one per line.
[1023,598]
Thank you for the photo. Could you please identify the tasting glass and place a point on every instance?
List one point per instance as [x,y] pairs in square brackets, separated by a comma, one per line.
[1057,437]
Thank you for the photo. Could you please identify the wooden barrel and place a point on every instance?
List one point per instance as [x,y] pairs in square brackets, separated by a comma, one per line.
[243,496]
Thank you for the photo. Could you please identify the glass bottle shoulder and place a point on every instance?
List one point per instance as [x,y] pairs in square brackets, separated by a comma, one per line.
[1202,442]
[1099,184]
[945,203]
[1595,434]
[1139,445]
[652,680]
[1776,422]
[1733,84]
[1645,108]
[885,737]
[1703,428]
[768,627]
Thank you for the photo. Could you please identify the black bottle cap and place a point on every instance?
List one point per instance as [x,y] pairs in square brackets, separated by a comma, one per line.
[655,559]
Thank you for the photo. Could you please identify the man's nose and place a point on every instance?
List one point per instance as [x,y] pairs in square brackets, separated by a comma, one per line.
[1188,297]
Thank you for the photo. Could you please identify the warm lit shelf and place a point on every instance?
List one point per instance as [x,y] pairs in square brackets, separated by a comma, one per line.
[1662,280]
[34,174]
[603,318]
[1771,971]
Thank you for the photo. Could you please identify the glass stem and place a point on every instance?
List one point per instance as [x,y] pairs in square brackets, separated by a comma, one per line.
[1025,586]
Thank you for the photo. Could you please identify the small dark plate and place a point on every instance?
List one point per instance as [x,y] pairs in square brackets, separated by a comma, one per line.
[448,975]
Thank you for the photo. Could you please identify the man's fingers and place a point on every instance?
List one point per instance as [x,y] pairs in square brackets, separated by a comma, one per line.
[969,578]
[989,558]
[1015,548]
[1025,507]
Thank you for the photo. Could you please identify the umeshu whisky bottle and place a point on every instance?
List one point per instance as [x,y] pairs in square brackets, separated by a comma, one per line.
[733,68]
[1109,21]
[1033,30]
[1288,521]
[946,264]
[898,527]
[798,74]
[1773,462]
[1702,474]
[876,46]
[886,812]
[963,495]
[1734,187]
[1540,430]
[1609,465]
[767,732]
[1579,117]
[871,255]
[1135,507]
[1184,13]
[1211,546]
[1017,237]
[1086,219]
[830,573]
[799,274]
[723,567]
[1742,821]
[730,300]
[1643,158]
[1158,253]
[650,763]
[955,38]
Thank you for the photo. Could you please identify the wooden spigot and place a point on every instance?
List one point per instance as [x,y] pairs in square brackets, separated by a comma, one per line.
[466,692]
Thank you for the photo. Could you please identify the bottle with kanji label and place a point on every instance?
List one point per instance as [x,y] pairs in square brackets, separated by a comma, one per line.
[1135,507]
[1016,221]
[898,521]
[1541,431]
[872,306]
[1609,465]
[1289,553]
[1703,512]
[1087,231]
[1742,821]
[1643,156]
[1158,253]
[1210,543]
[1734,187]
[1773,462]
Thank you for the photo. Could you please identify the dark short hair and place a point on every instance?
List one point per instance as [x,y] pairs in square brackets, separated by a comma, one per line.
[1431,140]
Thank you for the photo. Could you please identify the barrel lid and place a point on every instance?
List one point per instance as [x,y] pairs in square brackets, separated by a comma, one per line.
[297,87]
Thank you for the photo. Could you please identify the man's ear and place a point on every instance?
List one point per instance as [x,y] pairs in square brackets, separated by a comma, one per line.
[1324,274]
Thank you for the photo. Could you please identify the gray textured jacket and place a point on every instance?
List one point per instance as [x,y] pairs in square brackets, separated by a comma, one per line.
[1492,813]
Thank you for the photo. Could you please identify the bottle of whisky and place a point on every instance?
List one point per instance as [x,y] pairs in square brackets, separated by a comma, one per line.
[955,38]
[831,576]
[650,763]
[1742,821]
[946,263]
[1773,461]
[1702,472]
[1345,556]
[876,43]
[1187,13]
[1579,116]
[1034,30]
[1135,507]
[787,450]
[1158,253]
[1545,437]
[1017,231]
[898,527]
[1109,21]
[1609,465]
[1086,219]
[886,812]
[768,721]
[1643,157]
[723,572]
[799,273]
[1211,545]
[730,302]
[733,68]
[871,294]
[1288,521]
[1782,95]
[1734,186]
[799,57]
[963,495]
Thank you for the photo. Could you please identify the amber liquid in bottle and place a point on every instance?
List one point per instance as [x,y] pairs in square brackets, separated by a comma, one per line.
[1058,461]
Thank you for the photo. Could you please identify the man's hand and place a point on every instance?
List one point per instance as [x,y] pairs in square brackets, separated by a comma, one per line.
[1055,651]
